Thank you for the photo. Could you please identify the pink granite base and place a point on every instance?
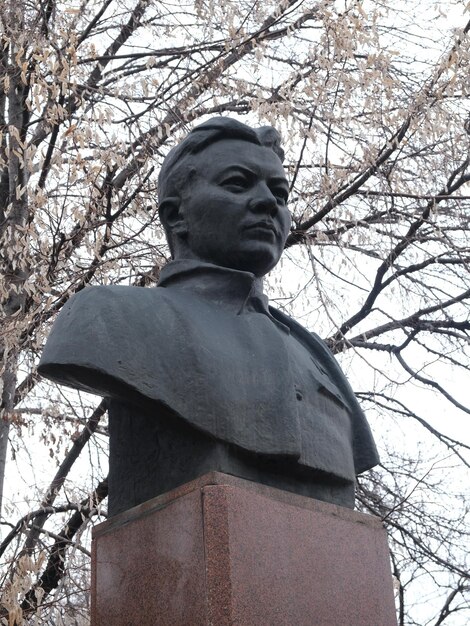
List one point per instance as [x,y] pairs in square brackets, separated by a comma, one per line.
[222,551]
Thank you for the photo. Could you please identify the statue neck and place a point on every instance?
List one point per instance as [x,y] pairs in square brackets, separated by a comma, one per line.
[223,286]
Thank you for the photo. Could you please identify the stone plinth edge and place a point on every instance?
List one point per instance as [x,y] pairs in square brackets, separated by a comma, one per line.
[221,550]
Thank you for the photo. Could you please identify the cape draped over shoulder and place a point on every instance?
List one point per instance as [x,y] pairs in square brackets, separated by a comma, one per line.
[230,366]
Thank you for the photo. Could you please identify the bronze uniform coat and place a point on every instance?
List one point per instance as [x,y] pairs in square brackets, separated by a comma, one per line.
[220,358]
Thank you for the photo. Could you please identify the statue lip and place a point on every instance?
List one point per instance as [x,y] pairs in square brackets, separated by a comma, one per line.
[262,225]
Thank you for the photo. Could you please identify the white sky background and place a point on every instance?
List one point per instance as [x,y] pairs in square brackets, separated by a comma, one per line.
[33,468]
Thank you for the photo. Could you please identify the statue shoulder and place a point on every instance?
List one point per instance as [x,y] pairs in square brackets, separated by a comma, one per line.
[297,329]
[320,351]
[94,327]
[111,298]
[107,293]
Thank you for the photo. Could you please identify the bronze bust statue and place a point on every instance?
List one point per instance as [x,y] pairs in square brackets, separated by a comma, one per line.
[202,374]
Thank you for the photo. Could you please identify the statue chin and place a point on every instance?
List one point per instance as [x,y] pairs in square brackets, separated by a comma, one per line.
[259,261]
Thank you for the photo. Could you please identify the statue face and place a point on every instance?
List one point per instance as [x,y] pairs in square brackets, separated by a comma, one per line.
[235,207]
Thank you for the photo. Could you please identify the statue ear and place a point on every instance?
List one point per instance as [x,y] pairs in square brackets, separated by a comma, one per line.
[172,216]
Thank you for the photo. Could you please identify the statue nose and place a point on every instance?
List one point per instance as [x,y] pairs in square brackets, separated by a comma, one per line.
[264,202]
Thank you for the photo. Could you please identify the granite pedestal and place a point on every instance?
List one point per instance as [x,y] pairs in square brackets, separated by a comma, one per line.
[222,551]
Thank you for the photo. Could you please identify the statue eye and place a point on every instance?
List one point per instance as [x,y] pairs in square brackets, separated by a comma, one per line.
[280,194]
[235,183]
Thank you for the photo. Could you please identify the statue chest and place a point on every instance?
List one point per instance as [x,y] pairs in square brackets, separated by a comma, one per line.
[246,380]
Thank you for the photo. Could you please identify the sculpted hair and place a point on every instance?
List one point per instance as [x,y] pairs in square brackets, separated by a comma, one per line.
[171,177]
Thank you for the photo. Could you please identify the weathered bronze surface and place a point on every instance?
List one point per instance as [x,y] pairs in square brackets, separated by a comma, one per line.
[202,374]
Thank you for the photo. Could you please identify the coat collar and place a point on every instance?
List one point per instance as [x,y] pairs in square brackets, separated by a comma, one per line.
[234,290]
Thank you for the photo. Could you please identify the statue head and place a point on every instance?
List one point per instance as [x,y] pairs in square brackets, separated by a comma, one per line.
[223,196]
